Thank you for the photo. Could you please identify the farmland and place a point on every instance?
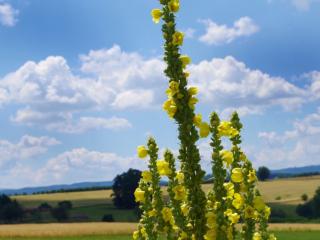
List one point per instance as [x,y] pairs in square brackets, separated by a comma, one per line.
[122,231]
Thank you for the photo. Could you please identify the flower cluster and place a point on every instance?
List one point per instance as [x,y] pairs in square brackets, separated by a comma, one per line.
[234,206]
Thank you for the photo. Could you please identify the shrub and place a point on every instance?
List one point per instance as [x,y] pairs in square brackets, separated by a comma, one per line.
[61,214]
[304,197]
[107,218]
[65,204]
[189,213]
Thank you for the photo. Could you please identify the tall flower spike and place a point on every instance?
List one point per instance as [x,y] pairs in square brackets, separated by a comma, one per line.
[188,213]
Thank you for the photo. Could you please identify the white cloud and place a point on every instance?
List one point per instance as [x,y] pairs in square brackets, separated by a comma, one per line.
[230,84]
[87,123]
[50,95]
[26,148]
[8,15]
[221,34]
[296,147]
[110,80]
[81,163]
[303,5]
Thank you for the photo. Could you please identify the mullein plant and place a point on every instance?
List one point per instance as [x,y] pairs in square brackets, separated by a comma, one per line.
[233,208]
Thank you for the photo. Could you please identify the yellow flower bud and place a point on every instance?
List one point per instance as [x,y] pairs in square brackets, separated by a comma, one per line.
[177,38]
[197,120]
[204,130]
[174,5]
[156,15]
[193,91]
[185,60]
[142,151]
[146,176]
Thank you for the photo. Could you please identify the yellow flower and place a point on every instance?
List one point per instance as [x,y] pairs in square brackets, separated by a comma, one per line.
[249,212]
[167,214]
[177,38]
[237,201]
[174,5]
[267,212]
[142,151]
[192,102]
[258,203]
[211,220]
[163,168]
[187,74]
[170,107]
[184,209]
[179,192]
[185,60]
[152,213]
[227,157]
[135,235]
[183,236]
[226,129]
[156,15]
[272,237]
[252,176]
[230,189]
[139,195]
[211,234]
[193,91]
[204,129]
[146,176]
[236,175]
[256,236]
[174,87]
[197,120]
[180,177]
[143,232]
[234,218]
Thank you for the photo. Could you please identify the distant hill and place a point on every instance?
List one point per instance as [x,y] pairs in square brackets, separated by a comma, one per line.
[32,190]
[296,171]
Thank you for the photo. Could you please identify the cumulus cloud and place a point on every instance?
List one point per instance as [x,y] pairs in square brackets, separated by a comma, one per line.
[51,95]
[26,148]
[8,15]
[230,84]
[73,166]
[221,34]
[296,147]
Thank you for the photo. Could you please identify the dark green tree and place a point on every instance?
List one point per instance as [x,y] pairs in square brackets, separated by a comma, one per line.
[263,173]
[65,204]
[61,214]
[123,188]
[10,210]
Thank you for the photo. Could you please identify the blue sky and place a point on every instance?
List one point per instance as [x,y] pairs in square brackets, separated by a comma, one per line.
[81,83]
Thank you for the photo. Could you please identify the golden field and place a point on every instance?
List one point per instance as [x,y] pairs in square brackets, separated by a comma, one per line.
[287,191]
[96,229]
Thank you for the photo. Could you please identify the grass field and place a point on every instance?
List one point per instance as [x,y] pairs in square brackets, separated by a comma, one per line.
[119,231]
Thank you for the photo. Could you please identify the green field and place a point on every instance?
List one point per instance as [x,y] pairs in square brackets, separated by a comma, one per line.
[311,235]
